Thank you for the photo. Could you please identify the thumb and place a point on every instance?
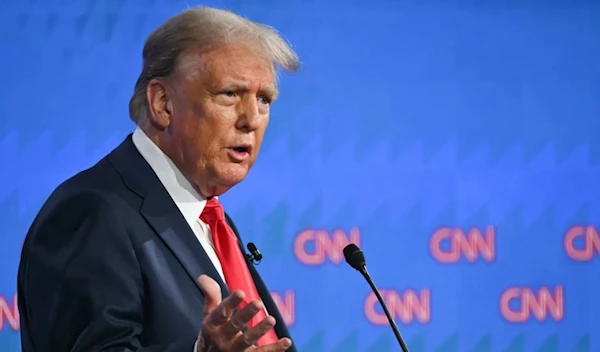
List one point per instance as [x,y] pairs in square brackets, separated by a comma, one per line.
[212,293]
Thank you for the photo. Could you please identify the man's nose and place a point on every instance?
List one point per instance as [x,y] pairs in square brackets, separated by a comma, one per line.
[249,114]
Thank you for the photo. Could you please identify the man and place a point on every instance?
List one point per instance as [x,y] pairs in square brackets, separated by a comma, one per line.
[135,253]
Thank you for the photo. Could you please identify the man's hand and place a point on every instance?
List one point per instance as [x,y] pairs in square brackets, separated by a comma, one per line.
[221,329]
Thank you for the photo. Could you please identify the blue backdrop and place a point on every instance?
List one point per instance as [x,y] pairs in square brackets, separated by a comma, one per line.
[456,142]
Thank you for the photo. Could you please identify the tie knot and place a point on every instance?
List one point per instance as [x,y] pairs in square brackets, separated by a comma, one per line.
[213,211]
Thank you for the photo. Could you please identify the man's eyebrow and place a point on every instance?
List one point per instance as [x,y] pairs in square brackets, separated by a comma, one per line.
[268,89]
[233,86]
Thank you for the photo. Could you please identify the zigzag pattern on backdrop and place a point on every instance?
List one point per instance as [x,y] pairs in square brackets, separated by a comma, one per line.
[434,182]
[35,171]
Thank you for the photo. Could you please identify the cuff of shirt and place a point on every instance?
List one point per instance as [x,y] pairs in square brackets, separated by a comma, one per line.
[195,346]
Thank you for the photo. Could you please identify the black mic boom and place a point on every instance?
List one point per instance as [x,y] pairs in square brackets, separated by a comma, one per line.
[356,258]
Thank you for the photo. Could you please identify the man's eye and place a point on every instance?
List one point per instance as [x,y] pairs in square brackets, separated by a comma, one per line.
[229,93]
[264,100]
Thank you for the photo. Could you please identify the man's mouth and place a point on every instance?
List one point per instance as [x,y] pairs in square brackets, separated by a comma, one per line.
[241,149]
[240,152]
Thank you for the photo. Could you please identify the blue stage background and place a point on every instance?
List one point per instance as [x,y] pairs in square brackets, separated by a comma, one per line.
[410,122]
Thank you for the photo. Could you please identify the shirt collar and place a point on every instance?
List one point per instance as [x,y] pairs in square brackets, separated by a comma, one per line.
[186,198]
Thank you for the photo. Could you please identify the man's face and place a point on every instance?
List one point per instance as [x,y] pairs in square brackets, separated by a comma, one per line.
[218,106]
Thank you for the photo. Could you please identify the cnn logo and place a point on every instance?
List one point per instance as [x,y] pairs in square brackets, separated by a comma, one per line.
[519,304]
[9,314]
[407,306]
[449,244]
[582,243]
[286,303]
[315,247]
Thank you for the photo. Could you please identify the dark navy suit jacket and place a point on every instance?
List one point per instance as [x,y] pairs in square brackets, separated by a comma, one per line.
[110,264]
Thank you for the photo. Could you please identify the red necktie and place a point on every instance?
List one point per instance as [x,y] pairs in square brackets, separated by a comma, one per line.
[232,260]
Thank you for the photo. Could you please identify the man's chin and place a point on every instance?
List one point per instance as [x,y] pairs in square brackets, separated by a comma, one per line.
[231,176]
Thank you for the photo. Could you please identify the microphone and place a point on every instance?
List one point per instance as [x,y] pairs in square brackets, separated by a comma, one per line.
[356,258]
[254,254]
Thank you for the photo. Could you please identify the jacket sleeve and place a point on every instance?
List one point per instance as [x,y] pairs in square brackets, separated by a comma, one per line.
[80,287]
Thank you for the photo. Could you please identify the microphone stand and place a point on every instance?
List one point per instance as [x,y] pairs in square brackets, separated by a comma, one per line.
[367,277]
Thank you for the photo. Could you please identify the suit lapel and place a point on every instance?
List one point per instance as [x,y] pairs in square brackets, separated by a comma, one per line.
[162,214]
[280,327]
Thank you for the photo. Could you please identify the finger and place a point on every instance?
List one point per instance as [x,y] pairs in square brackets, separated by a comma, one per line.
[253,334]
[222,313]
[212,293]
[281,345]
[240,319]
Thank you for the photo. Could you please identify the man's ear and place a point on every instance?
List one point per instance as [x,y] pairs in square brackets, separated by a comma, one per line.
[160,105]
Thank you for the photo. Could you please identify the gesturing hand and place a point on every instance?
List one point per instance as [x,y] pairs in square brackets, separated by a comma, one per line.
[221,329]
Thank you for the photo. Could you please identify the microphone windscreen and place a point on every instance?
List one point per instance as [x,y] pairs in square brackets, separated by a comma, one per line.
[354,256]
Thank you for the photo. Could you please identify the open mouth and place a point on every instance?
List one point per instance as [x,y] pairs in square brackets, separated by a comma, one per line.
[240,152]
[241,149]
